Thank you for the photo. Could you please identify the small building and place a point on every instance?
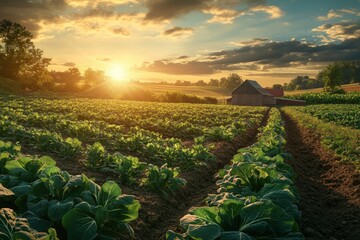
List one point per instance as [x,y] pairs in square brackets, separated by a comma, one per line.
[250,93]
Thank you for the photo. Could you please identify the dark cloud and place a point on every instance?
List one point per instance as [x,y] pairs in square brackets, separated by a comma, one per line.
[159,10]
[104,59]
[178,31]
[261,57]
[167,9]
[121,31]
[66,64]
[29,13]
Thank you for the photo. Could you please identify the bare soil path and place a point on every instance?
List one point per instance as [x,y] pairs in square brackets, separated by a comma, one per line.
[329,189]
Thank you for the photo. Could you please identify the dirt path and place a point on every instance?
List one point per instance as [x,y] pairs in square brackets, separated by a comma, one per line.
[330,190]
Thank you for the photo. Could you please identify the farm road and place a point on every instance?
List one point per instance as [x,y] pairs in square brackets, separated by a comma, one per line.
[329,189]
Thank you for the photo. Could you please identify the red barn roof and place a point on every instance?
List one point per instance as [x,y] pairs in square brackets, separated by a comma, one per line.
[275,92]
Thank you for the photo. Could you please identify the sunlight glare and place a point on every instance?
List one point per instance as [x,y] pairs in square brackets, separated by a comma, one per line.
[117,73]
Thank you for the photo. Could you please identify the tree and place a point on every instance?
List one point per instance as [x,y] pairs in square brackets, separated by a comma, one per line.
[332,78]
[93,77]
[277,86]
[233,81]
[73,76]
[19,59]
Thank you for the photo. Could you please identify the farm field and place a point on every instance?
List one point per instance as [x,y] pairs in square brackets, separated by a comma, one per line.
[80,166]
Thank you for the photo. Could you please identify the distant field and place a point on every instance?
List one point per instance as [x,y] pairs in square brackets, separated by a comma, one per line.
[355,87]
[200,91]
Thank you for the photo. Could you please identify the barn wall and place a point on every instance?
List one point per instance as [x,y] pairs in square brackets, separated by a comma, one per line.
[247,99]
[269,100]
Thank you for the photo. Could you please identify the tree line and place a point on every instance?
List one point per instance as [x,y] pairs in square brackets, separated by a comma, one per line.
[21,61]
[331,78]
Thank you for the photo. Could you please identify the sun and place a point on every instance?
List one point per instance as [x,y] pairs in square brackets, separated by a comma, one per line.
[116,73]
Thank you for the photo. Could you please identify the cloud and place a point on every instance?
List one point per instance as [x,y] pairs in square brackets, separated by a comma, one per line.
[178,32]
[338,14]
[104,59]
[259,57]
[273,11]
[29,13]
[221,15]
[121,31]
[339,31]
[39,15]
[66,64]
[160,10]
[253,42]
[223,11]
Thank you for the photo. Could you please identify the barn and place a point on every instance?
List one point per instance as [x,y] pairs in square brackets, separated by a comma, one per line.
[250,93]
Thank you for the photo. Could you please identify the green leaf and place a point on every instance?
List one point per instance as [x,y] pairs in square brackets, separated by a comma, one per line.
[57,209]
[235,235]
[125,209]
[36,222]
[204,232]
[108,193]
[80,223]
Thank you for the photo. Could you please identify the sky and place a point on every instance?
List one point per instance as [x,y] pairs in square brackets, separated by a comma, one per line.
[270,41]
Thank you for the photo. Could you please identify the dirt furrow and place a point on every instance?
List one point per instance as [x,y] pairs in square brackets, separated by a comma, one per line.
[329,189]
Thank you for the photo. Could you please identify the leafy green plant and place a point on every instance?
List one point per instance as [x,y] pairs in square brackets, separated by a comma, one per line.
[12,227]
[128,168]
[70,148]
[163,180]
[96,155]
[105,212]
[233,219]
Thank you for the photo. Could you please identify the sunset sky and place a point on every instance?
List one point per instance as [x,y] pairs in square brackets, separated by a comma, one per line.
[167,40]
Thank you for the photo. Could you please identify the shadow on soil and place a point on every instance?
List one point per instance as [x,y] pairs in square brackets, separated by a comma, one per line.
[329,189]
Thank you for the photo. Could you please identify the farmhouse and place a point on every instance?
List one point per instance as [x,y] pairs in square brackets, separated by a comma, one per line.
[250,93]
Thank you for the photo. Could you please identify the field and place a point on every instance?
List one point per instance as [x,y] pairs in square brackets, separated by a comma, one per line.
[94,169]
[353,87]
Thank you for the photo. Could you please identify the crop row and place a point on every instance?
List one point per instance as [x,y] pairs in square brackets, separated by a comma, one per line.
[175,120]
[38,200]
[256,195]
[343,141]
[328,98]
[347,115]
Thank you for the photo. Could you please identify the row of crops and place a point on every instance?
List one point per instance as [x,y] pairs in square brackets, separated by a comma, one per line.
[347,115]
[329,124]
[39,201]
[328,98]
[184,121]
[256,195]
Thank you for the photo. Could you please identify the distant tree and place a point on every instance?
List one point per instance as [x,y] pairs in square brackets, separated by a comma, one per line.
[233,81]
[214,82]
[200,83]
[332,78]
[93,77]
[222,82]
[19,59]
[72,76]
[277,86]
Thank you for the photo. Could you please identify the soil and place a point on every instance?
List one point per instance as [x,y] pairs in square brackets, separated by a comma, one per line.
[329,189]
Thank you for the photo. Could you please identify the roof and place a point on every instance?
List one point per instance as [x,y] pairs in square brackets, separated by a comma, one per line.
[275,92]
[256,86]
